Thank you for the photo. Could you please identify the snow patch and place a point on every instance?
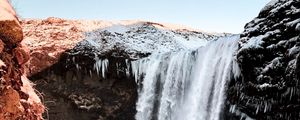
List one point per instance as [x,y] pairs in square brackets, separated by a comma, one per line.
[270,5]
[298,27]
[277,8]
[254,42]
[293,23]
[143,38]
[265,85]
[294,50]
[273,64]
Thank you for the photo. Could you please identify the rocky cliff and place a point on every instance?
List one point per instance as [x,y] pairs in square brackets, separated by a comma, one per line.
[18,99]
[82,67]
[269,60]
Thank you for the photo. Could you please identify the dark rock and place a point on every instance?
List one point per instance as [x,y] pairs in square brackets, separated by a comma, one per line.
[269,87]
[75,91]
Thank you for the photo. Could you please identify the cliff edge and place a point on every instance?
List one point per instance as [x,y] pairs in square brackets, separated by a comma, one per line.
[18,99]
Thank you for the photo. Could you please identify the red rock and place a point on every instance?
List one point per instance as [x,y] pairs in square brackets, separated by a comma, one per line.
[22,54]
[53,20]
[1,46]
[10,28]
[4,4]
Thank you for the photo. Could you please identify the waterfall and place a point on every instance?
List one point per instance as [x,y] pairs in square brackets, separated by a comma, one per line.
[185,85]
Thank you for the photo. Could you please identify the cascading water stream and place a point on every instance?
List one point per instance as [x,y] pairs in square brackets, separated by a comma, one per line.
[185,85]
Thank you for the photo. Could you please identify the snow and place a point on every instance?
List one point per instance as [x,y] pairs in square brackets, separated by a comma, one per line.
[273,64]
[293,23]
[281,43]
[293,10]
[257,22]
[298,27]
[256,42]
[277,8]
[273,7]
[253,42]
[265,85]
[270,5]
[142,37]
[93,43]
[117,28]
[129,36]
[294,50]
[193,43]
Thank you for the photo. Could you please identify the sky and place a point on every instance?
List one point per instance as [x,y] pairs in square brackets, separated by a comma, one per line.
[207,15]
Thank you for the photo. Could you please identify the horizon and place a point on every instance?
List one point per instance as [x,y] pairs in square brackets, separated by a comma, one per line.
[208,16]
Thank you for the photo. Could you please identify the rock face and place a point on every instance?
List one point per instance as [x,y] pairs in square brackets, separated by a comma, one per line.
[269,59]
[74,90]
[18,99]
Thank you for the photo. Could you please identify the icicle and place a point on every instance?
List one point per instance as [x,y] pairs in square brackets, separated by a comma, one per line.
[104,67]
[232,109]
[127,68]
[117,68]
[77,66]
[266,107]
[100,65]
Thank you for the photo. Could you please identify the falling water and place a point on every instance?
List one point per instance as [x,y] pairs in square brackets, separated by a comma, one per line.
[185,85]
